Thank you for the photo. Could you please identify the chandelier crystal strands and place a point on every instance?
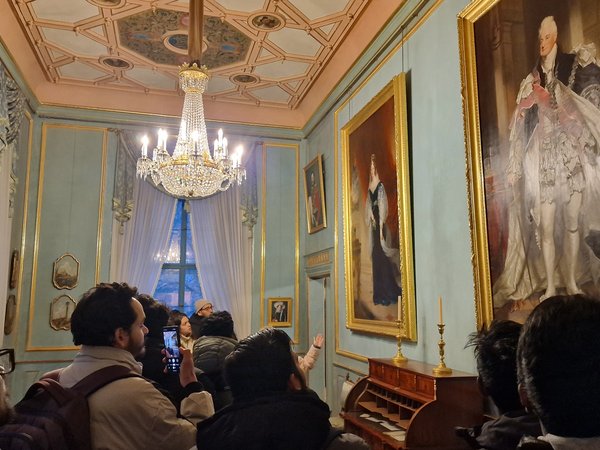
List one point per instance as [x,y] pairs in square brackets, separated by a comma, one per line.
[191,171]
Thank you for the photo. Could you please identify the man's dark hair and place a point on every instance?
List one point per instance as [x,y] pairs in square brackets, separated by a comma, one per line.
[219,323]
[175,317]
[157,315]
[559,364]
[261,363]
[101,311]
[496,354]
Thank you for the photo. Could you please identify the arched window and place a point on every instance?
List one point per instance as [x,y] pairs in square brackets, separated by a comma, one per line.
[179,286]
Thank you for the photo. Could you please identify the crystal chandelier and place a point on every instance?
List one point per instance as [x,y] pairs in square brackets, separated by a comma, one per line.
[192,171]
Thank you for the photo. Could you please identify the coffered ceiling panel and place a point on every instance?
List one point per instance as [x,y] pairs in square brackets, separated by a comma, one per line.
[267,52]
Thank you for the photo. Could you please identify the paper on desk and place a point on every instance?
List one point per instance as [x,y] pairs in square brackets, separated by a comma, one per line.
[389,426]
[398,435]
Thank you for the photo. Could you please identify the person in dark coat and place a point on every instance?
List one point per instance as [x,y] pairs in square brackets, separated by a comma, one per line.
[217,340]
[272,407]
[496,354]
[153,368]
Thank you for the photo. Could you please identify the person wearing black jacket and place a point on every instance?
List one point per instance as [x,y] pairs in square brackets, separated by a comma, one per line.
[272,407]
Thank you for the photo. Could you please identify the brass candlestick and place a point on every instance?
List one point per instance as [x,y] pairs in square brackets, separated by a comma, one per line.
[441,368]
[399,358]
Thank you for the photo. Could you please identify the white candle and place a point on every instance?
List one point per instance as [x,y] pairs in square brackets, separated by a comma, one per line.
[440,305]
[145,146]
[400,315]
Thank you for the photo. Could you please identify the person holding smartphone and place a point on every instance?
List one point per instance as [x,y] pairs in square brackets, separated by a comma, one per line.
[108,323]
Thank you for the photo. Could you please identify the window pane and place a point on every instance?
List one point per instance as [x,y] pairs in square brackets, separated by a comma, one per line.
[167,289]
[175,243]
[189,248]
[192,290]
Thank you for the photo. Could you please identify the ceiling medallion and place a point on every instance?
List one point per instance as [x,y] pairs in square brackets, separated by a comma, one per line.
[266,21]
[107,3]
[116,62]
[244,79]
[177,42]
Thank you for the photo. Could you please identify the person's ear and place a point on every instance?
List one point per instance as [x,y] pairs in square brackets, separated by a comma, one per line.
[294,384]
[524,398]
[121,338]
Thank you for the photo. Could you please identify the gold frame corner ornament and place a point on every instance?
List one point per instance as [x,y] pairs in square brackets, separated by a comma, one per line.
[395,89]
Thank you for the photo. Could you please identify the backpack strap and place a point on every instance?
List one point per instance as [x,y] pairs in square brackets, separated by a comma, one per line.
[100,378]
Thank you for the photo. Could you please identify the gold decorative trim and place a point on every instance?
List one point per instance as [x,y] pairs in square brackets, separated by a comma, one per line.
[36,240]
[101,206]
[45,127]
[318,259]
[263,234]
[295,147]
[24,223]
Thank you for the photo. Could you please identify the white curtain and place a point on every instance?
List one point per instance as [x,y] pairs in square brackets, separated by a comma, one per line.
[137,254]
[223,255]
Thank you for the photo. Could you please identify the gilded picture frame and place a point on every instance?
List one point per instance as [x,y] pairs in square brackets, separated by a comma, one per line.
[61,310]
[280,312]
[378,248]
[525,99]
[65,272]
[13,279]
[314,195]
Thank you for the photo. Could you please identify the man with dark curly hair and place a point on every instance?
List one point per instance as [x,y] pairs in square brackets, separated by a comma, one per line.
[559,371]
[129,413]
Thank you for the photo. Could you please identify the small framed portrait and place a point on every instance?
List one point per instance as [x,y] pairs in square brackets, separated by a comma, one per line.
[316,217]
[14,270]
[280,312]
[61,309]
[66,272]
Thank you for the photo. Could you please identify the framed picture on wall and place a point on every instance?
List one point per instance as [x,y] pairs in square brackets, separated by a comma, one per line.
[61,310]
[532,123]
[65,274]
[378,252]
[280,312]
[316,217]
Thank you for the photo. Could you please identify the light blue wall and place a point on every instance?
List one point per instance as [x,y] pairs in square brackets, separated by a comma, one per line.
[442,253]
[65,181]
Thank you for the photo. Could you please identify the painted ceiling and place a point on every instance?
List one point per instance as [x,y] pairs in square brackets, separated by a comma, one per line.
[282,56]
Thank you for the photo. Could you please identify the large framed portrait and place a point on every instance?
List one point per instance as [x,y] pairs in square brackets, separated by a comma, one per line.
[377,216]
[280,312]
[531,88]
[316,217]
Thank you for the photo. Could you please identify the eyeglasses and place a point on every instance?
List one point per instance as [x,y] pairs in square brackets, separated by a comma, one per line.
[7,361]
[206,307]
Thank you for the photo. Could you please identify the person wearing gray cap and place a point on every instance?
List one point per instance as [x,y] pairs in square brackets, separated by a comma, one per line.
[204,308]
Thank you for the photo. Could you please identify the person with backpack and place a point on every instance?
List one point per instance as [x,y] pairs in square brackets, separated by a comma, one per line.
[272,407]
[129,413]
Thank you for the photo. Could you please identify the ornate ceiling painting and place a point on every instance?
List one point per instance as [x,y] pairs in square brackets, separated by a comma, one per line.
[266,53]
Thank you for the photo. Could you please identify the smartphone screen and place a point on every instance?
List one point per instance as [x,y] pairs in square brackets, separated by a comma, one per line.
[171,341]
